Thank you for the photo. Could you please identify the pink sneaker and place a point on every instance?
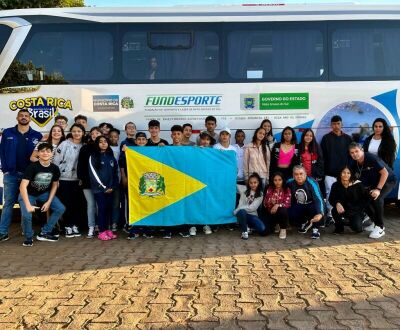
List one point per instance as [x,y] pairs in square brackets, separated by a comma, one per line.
[103,236]
[111,234]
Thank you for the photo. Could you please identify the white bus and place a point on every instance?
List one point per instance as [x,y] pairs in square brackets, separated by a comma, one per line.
[297,65]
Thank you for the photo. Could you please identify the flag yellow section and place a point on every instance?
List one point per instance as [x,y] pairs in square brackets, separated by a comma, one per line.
[153,185]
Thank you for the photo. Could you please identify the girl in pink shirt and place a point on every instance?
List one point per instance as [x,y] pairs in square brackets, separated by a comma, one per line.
[277,201]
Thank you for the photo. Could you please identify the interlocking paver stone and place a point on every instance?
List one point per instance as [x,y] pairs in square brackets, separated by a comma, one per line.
[204,282]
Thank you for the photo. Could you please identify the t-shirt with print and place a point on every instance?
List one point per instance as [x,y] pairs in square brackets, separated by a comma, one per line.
[40,177]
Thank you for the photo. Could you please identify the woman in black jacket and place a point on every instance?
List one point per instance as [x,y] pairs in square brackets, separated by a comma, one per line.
[381,142]
[348,198]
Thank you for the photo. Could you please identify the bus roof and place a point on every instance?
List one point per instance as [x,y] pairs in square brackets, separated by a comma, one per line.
[217,13]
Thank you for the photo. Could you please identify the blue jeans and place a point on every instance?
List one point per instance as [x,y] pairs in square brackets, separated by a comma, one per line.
[249,220]
[11,191]
[91,207]
[56,207]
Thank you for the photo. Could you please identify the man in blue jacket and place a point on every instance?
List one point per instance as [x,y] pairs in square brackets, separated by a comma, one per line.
[16,147]
[307,206]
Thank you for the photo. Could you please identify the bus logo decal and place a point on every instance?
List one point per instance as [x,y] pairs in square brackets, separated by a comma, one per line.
[42,109]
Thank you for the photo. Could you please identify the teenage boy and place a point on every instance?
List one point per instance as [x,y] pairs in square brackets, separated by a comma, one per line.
[307,206]
[134,231]
[176,135]
[211,124]
[187,133]
[16,147]
[334,147]
[61,121]
[39,184]
[378,178]
[154,130]
[130,131]
[82,120]
[225,140]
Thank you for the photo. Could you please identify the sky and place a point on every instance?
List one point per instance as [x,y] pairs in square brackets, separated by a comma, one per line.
[159,3]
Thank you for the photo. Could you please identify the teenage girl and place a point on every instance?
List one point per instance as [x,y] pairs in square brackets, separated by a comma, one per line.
[69,191]
[285,155]
[250,199]
[277,201]
[103,172]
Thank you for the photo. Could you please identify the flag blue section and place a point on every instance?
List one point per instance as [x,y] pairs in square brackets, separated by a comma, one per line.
[210,206]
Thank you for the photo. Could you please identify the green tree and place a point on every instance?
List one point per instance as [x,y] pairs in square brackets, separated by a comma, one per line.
[17,4]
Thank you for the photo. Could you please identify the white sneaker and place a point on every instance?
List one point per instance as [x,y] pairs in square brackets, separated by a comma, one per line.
[68,232]
[371,227]
[207,230]
[282,234]
[114,227]
[245,235]
[378,232]
[75,231]
[192,231]
[90,232]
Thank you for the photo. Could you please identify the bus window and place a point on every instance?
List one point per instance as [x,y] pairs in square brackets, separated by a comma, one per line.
[276,54]
[166,40]
[5,32]
[172,56]
[367,53]
[65,57]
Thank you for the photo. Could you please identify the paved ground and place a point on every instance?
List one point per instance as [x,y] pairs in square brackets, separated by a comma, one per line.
[206,282]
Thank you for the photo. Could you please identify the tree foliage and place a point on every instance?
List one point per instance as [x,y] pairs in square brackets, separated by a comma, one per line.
[17,4]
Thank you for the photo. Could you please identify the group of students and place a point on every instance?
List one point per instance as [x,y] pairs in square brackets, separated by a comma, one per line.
[279,183]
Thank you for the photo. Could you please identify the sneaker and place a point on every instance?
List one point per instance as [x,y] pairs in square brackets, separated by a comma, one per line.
[328,221]
[103,236]
[69,233]
[378,232]
[245,235]
[184,234]
[315,234]
[46,237]
[282,234]
[132,236]
[147,235]
[90,233]
[167,235]
[4,237]
[114,227]
[207,230]
[126,228]
[28,242]
[371,227]
[75,231]
[111,234]
[305,227]
[192,231]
